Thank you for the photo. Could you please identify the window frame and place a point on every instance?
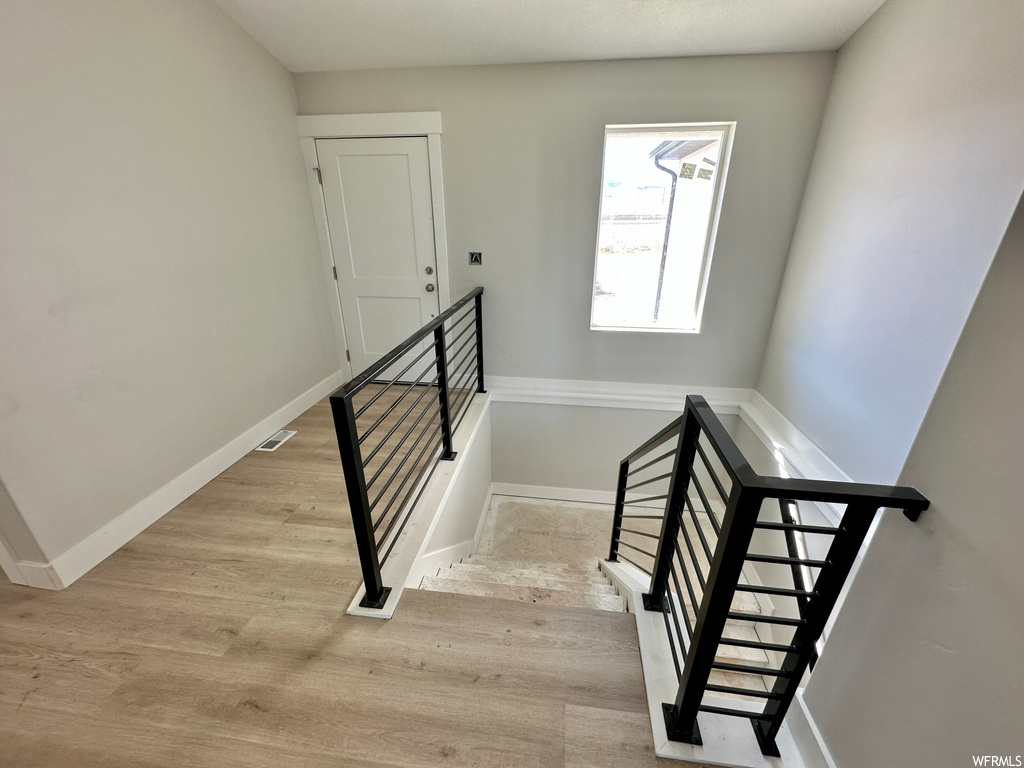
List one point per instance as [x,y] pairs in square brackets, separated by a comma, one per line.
[728,129]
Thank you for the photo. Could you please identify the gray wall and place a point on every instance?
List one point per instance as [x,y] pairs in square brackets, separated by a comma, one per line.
[917,171]
[160,287]
[522,149]
[923,668]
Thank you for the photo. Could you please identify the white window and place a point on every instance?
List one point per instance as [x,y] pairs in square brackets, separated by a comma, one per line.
[661,192]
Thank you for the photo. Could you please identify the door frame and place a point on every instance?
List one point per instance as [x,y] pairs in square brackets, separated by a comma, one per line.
[373,126]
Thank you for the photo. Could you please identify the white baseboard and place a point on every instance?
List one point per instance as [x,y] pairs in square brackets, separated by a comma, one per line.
[87,554]
[32,574]
[555,494]
[483,519]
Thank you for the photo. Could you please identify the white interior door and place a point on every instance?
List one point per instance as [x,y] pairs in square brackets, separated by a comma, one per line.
[380,217]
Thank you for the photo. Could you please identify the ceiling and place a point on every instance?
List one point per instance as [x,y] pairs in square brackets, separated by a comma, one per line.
[323,35]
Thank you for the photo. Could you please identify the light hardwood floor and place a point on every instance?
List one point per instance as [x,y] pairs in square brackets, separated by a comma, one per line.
[217,638]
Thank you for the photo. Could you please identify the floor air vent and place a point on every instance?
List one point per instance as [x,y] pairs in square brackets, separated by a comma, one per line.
[275,442]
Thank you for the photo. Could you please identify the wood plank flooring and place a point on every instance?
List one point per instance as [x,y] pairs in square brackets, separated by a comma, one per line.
[217,638]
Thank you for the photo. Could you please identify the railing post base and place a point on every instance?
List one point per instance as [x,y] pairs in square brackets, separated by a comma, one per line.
[366,602]
[653,603]
[765,742]
[672,727]
[449,457]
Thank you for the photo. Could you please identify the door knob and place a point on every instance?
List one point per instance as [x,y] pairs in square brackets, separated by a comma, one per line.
[429,270]
[430,287]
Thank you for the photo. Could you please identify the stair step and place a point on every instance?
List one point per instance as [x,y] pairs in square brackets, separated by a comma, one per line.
[558,570]
[736,680]
[525,594]
[522,577]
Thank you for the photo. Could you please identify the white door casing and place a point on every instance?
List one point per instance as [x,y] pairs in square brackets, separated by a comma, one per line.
[397,124]
[377,195]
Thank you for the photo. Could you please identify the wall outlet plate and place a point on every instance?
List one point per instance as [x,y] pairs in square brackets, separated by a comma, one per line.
[476,258]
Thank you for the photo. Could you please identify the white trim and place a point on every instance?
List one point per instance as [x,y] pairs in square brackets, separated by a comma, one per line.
[90,552]
[483,514]
[444,292]
[807,458]
[374,125]
[39,575]
[323,238]
[612,394]
[369,125]
[815,750]
[8,563]
[728,130]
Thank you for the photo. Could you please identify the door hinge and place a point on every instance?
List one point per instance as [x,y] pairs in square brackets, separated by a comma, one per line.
[319,176]
[348,355]
[335,270]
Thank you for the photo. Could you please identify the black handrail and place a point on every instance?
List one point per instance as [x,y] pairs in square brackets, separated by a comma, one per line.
[423,431]
[710,562]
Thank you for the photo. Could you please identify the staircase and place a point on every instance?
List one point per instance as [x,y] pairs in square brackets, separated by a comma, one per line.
[547,552]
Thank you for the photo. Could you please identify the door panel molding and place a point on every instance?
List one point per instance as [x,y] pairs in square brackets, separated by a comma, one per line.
[380,125]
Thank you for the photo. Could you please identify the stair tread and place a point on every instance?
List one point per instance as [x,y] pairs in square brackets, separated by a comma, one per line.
[525,594]
[524,577]
[575,571]
[566,580]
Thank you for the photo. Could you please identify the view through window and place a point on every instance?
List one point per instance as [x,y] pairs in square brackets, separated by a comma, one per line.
[661,189]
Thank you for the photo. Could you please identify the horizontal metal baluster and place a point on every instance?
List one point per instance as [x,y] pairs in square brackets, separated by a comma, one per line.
[408,389]
[733,712]
[777,560]
[468,313]
[779,647]
[652,462]
[780,591]
[648,482]
[399,444]
[455,355]
[362,410]
[643,551]
[463,397]
[398,423]
[641,533]
[649,498]
[741,691]
[467,363]
[766,619]
[694,603]
[700,531]
[671,642]
[714,475]
[679,591]
[469,328]
[707,504]
[749,670]
[429,465]
[402,463]
[675,619]
[802,528]
[635,565]
[432,445]
[693,558]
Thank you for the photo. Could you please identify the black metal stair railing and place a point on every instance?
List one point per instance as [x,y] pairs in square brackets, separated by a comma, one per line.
[692,485]
[393,428]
